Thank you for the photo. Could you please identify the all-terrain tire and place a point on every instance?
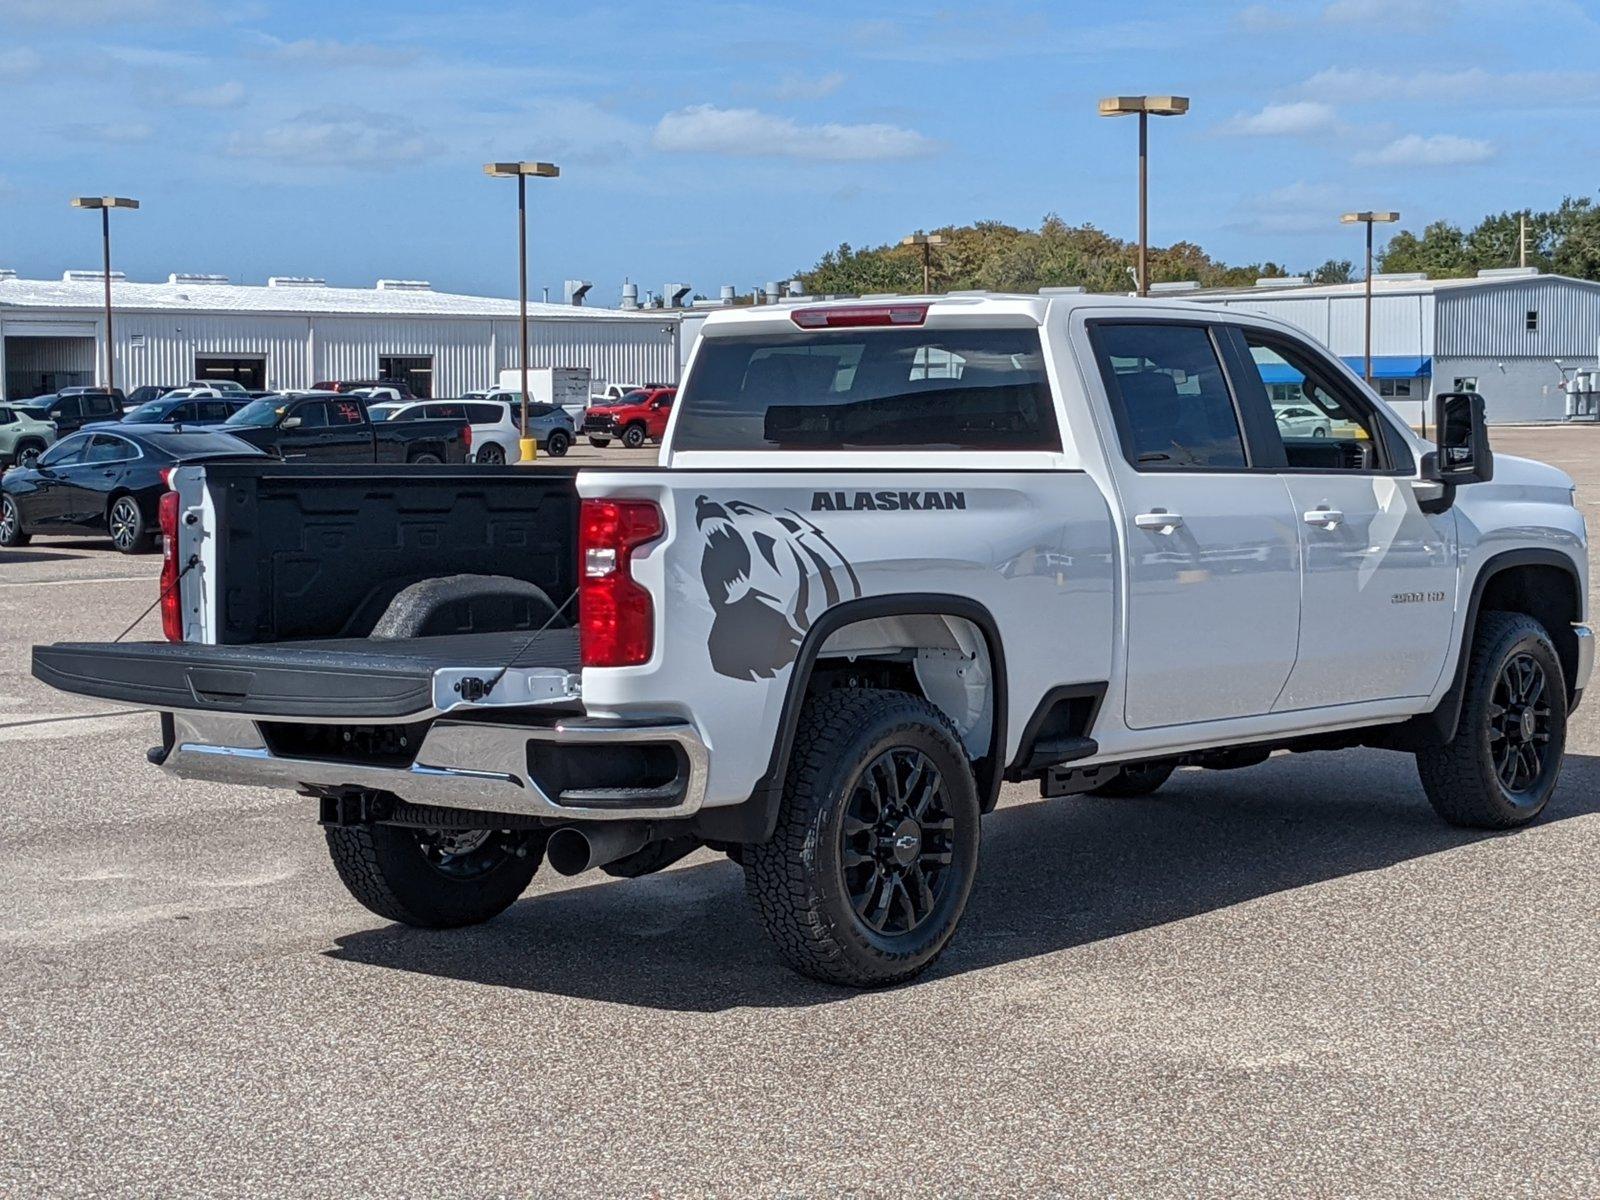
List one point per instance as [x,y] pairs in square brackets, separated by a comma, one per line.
[799,881]
[388,870]
[1463,777]
[633,436]
[1141,779]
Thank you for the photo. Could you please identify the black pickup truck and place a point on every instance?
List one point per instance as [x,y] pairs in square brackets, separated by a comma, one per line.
[325,427]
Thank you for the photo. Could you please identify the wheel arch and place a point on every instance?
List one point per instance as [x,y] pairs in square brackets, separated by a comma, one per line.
[762,808]
[1540,583]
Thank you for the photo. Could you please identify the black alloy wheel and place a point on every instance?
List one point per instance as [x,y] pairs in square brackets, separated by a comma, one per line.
[11,524]
[1519,726]
[633,436]
[897,841]
[491,454]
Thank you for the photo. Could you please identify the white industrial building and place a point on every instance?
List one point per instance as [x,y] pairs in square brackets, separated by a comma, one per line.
[1507,334]
[292,333]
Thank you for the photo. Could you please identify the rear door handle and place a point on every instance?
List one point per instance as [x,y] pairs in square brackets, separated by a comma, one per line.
[1325,517]
[1159,521]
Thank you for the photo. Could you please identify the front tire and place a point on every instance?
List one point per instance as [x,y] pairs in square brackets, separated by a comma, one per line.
[1500,769]
[876,847]
[434,878]
[11,533]
[558,443]
[125,523]
[633,436]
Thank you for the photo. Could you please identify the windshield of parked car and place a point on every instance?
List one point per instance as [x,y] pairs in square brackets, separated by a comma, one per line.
[147,414]
[262,414]
[937,389]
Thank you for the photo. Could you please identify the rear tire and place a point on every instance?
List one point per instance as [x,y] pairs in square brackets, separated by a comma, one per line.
[491,454]
[125,523]
[600,443]
[633,436]
[426,458]
[876,847]
[11,533]
[1500,769]
[558,443]
[434,879]
[1140,779]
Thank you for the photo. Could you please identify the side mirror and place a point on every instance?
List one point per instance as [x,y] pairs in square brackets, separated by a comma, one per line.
[1462,436]
[55,414]
[289,423]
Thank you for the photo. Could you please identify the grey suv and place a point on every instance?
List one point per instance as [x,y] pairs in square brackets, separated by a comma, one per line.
[21,434]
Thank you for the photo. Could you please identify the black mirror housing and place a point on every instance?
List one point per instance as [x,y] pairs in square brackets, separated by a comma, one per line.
[1462,436]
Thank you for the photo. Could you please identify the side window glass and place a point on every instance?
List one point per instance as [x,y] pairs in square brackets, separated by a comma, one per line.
[1174,410]
[1323,426]
[65,454]
[68,406]
[7,416]
[106,449]
[313,415]
[344,412]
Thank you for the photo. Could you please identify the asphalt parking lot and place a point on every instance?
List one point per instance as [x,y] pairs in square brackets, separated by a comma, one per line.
[1291,980]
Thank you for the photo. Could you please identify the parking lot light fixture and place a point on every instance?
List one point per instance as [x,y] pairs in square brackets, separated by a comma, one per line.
[927,241]
[1144,107]
[521,171]
[105,204]
[1369,218]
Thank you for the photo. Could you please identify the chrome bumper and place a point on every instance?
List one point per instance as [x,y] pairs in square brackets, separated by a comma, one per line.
[460,764]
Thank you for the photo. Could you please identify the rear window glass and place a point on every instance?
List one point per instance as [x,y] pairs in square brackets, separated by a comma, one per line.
[880,389]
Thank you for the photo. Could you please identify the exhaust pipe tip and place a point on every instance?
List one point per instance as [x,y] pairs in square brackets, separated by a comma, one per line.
[572,851]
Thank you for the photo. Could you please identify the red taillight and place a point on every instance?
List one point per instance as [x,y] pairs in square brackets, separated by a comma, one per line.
[466,437]
[858,316]
[171,602]
[616,617]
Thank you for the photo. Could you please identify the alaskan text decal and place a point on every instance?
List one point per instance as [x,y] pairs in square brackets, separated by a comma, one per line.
[886,501]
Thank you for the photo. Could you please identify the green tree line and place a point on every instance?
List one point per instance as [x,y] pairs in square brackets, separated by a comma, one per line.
[994,256]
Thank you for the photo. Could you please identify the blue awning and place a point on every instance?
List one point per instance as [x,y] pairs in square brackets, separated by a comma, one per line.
[1384,366]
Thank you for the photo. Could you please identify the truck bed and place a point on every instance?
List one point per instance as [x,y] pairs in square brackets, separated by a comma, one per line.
[346,679]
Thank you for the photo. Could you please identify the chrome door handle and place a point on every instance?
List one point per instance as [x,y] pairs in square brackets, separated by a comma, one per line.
[1325,517]
[1158,521]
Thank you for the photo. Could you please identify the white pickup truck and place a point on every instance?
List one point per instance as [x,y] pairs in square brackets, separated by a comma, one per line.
[895,553]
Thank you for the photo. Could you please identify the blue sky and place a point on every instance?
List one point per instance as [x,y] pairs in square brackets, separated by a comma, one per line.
[733,143]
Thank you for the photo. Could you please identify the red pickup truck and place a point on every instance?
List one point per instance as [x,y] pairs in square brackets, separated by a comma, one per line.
[638,415]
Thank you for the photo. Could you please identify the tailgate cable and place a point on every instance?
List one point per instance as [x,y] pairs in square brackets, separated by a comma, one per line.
[472,688]
[194,561]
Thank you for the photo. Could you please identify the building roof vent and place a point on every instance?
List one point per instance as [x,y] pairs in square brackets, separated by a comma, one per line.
[90,276]
[177,277]
[295,281]
[1269,281]
[1177,285]
[1507,272]
[404,285]
[1398,276]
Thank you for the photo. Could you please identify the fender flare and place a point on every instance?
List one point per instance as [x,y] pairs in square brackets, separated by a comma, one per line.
[1445,719]
[755,819]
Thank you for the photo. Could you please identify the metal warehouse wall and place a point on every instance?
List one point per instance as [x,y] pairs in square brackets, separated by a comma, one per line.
[349,348]
[637,350]
[171,341]
[1492,320]
[1402,324]
[1514,389]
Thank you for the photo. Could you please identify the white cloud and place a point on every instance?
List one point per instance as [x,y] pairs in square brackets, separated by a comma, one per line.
[1413,16]
[19,61]
[800,87]
[1524,89]
[747,132]
[1295,118]
[1301,207]
[1436,150]
[1263,18]
[329,52]
[223,95]
[111,132]
[336,137]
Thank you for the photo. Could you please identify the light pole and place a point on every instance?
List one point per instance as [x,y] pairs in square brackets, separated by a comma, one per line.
[105,204]
[927,241]
[1369,219]
[1145,107]
[529,448]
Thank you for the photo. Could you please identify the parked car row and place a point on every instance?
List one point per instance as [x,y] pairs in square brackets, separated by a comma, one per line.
[496,425]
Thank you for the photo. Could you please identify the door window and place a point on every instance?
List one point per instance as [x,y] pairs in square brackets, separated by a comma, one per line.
[1326,425]
[313,415]
[7,416]
[215,411]
[488,414]
[65,454]
[67,406]
[103,448]
[344,413]
[1172,404]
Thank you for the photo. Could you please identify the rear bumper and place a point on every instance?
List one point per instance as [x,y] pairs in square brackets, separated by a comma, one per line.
[460,764]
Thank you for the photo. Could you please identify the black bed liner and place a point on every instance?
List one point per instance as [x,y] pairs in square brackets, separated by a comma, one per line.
[330,678]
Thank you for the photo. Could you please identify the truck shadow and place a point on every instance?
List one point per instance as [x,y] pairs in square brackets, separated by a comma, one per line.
[1054,875]
[27,556]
